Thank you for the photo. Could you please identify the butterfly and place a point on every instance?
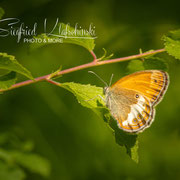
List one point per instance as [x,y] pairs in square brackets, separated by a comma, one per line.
[131,100]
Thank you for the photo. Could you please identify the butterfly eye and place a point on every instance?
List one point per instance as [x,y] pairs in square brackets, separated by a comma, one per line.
[155,81]
[137,96]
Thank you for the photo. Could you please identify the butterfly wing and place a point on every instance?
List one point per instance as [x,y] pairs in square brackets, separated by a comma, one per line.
[151,83]
[132,115]
[131,100]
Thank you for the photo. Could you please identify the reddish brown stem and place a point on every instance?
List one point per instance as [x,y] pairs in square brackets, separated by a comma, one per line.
[94,63]
[93,55]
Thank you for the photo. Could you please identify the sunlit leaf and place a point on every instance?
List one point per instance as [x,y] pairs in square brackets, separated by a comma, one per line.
[59,35]
[91,97]
[9,62]
[87,95]
[7,80]
[172,43]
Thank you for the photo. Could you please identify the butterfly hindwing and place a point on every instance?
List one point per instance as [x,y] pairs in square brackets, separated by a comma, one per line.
[132,114]
[140,117]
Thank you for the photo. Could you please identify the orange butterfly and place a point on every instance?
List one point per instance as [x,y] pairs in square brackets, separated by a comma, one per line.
[132,99]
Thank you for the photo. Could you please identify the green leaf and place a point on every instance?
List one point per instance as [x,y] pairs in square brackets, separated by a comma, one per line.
[9,62]
[89,96]
[155,63]
[32,162]
[1,12]
[172,43]
[135,65]
[60,31]
[7,80]
[83,40]
[130,141]
[148,64]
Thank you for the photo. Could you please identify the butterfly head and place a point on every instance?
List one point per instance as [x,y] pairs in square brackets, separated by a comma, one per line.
[106,88]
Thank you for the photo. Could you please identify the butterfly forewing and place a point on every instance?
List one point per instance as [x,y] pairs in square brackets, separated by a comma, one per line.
[150,83]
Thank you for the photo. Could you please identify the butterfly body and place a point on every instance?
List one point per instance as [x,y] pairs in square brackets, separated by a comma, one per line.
[131,100]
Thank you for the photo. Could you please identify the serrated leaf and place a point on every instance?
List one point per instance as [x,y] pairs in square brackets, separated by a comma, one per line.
[155,63]
[7,80]
[148,64]
[1,12]
[130,141]
[80,39]
[172,43]
[88,96]
[9,62]
[10,172]
[83,40]
[32,162]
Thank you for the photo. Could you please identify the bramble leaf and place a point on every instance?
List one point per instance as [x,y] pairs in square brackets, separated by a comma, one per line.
[86,41]
[63,33]
[9,62]
[130,141]
[7,80]
[92,97]
[148,64]
[87,95]
[155,63]
[172,43]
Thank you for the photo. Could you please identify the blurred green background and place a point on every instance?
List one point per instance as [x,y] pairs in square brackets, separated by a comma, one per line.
[77,143]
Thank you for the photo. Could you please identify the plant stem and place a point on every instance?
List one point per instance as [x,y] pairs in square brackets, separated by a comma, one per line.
[94,63]
[93,55]
[53,82]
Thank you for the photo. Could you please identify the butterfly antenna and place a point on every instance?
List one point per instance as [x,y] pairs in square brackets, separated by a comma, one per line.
[98,77]
[110,82]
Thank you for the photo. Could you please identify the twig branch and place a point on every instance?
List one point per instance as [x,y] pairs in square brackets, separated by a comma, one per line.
[53,82]
[94,63]
[93,55]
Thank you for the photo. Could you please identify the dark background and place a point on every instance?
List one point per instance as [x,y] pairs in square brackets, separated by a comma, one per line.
[77,143]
